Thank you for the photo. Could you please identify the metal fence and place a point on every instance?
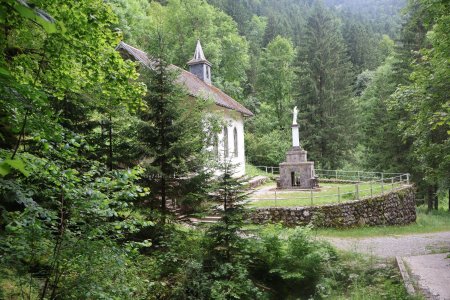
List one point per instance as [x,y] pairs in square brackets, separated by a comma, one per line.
[355,185]
[340,174]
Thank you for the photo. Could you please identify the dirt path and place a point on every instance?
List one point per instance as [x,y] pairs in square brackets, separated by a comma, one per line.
[391,246]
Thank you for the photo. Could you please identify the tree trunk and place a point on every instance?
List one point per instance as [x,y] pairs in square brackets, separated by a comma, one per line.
[163,198]
[448,199]
[21,134]
[436,198]
[430,197]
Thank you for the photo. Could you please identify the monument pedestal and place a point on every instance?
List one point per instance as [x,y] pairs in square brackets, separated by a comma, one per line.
[296,171]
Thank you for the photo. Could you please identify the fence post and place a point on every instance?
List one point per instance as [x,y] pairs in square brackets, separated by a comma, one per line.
[272,170]
[339,195]
[357,191]
[335,171]
[371,192]
[392,183]
[407,178]
[312,202]
[266,169]
[359,177]
[276,197]
[382,186]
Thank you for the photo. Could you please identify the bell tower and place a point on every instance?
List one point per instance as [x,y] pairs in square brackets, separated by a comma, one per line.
[199,65]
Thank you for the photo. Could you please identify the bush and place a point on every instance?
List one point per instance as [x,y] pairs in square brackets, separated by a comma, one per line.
[290,262]
[268,149]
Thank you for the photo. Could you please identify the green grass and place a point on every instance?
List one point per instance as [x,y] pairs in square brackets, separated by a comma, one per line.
[434,221]
[252,171]
[327,194]
[367,278]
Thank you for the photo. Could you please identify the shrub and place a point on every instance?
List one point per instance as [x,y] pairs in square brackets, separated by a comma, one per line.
[290,262]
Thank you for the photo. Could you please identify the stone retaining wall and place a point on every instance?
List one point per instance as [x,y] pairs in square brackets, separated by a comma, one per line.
[394,208]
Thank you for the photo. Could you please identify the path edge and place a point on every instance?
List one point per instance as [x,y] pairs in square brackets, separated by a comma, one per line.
[405,276]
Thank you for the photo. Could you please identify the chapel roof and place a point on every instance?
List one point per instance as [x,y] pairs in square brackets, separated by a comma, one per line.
[195,86]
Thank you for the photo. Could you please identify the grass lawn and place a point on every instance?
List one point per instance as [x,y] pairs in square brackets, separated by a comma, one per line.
[434,221]
[328,193]
[252,171]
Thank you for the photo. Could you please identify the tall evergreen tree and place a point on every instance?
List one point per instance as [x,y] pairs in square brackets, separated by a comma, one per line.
[172,134]
[324,91]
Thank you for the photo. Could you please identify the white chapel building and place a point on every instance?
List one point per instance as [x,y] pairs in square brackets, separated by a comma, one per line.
[197,81]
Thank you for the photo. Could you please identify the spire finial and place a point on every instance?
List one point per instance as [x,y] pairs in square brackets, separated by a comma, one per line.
[199,55]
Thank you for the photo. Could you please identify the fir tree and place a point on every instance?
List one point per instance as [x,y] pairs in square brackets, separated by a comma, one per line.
[172,134]
[227,260]
[324,90]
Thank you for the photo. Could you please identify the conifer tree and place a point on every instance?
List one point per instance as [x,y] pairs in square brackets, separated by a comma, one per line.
[227,261]
[172,134]
[324,89]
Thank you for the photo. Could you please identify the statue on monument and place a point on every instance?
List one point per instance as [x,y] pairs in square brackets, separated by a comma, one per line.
[297,171]
[294,120]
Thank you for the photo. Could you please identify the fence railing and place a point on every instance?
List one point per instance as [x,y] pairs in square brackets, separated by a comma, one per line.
[359,185]
[340,174]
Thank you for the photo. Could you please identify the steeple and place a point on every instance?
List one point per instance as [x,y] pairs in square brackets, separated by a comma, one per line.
[199,65]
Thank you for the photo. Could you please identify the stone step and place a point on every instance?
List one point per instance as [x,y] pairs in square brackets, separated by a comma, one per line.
[201,221]
[212,218]
[207,219]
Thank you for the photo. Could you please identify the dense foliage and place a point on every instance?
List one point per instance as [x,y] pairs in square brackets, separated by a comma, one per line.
[94,148]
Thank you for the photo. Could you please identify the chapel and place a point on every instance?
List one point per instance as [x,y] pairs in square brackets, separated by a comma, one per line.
[229,144]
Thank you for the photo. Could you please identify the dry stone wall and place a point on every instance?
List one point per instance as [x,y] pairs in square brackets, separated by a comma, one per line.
[395,208]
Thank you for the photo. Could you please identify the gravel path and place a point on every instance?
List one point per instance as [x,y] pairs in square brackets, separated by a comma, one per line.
[432,274]
[391,246]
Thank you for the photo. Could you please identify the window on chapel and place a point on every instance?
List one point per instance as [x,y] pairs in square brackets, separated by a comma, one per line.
[225,141]
[235,139]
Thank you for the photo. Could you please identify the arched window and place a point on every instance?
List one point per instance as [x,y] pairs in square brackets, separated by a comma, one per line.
[216,145]
[235,140]
[225,141]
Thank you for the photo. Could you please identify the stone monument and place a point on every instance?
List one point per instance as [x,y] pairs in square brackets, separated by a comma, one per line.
[296,171]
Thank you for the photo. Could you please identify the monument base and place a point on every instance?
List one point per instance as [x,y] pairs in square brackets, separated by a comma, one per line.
[296,171]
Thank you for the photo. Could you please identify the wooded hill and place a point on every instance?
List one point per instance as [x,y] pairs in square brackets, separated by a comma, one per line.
[92,151]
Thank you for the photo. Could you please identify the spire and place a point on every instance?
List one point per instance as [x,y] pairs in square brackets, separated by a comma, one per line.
[199,52]
[199,56]
[199,65]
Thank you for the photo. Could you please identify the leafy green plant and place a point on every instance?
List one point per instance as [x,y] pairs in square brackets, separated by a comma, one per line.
[290,262]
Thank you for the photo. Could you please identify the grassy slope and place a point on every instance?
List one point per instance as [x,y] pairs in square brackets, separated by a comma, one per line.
[252,171]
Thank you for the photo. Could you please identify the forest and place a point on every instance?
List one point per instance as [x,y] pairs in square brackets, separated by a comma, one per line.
[96,152]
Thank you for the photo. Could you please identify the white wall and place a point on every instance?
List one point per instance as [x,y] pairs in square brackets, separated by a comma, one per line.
[232,119]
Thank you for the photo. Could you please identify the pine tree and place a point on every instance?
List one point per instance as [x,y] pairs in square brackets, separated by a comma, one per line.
[172,134]
[227,261]
[324,89]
